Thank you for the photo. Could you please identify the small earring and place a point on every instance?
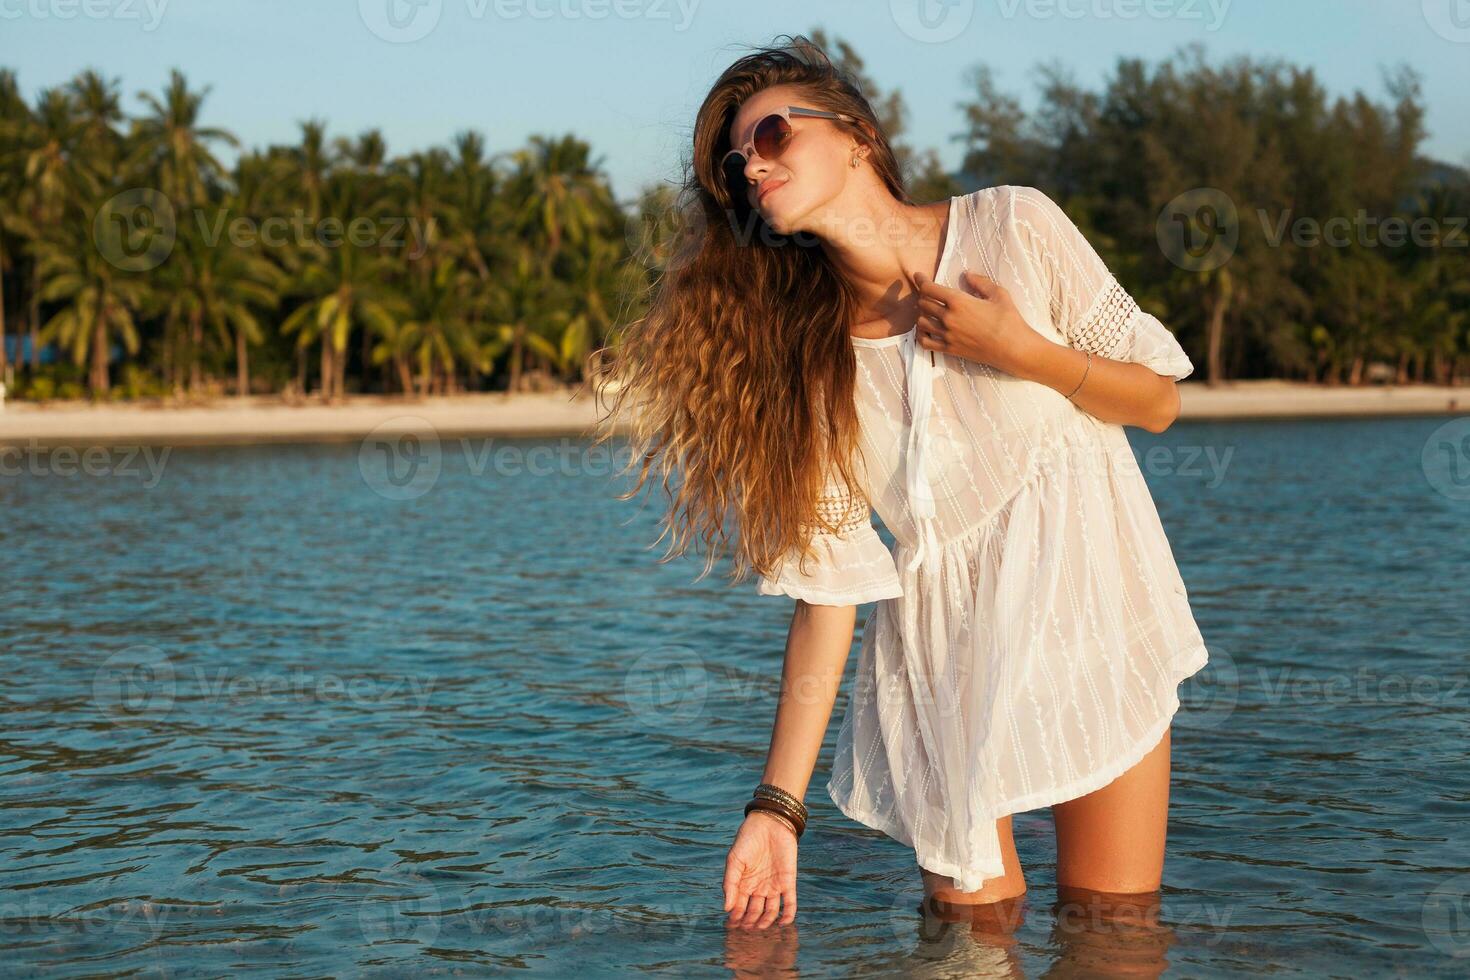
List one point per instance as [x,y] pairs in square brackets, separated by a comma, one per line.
[855,160]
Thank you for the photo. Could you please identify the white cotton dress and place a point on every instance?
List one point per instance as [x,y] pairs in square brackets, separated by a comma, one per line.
[1032,627]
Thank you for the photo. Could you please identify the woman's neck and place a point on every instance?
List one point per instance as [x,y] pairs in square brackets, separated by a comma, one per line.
[878,256]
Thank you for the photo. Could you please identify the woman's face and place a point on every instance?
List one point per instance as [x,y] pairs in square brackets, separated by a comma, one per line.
[809,173]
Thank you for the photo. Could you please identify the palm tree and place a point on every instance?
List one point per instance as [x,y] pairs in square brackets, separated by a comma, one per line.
[99,110]
[360,189]
[438,325]
[171,147]
[313,160]
[257,180]
[521,304]
[395,344]
[476,240]
[473,197]
[346,289]
[420,190]
[15,118]
[221,287]
[172,299]
[602,276]
[171,143]
[562,196]
[55,175]
[367,153]
[99,299]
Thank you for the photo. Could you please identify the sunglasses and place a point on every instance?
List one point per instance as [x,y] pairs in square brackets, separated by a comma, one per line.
[769,139]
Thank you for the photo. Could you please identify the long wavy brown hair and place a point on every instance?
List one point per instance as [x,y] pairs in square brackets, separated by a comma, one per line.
[740,377]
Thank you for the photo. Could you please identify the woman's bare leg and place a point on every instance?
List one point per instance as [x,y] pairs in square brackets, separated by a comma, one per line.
[940,888]
[1112,839]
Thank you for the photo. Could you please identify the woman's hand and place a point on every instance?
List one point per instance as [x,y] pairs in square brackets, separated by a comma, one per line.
[985,326]
[989,329]
[760,872]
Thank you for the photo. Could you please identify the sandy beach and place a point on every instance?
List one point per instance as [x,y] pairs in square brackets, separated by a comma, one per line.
[267,420]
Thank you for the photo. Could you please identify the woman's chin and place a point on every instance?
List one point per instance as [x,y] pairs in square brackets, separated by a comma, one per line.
[776,218]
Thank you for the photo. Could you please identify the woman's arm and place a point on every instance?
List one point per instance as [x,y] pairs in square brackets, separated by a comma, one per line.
[760,870]
[984,325]
[1114,391]
[817,647]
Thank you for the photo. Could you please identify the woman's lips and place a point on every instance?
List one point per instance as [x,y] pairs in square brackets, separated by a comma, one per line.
[770,189]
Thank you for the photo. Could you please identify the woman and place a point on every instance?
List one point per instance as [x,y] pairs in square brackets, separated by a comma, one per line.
[825,346]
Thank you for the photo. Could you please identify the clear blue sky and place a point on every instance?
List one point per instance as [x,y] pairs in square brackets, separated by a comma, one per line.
[629,82]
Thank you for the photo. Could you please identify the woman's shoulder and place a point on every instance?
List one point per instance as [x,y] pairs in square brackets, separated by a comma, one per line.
[1002,202]
[989,212]
[1004,214]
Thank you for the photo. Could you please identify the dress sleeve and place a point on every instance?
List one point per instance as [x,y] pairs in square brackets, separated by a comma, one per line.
[847,568]
[1089,306]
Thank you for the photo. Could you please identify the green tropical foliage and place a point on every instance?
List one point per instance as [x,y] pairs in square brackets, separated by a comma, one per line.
[154,264]
[325,267]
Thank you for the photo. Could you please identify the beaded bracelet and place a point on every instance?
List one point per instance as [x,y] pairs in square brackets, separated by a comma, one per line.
[773,792]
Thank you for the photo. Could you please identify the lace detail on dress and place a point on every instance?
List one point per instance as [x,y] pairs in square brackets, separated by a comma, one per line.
[849,565]
[1106,327]
[840,506]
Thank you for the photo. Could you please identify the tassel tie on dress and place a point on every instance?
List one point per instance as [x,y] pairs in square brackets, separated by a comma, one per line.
[921,373]
[976,843]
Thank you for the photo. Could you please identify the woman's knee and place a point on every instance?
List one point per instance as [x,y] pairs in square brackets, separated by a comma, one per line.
[1012,884]
[941,889]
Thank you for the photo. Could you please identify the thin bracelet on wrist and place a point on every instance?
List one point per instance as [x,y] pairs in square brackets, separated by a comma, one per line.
[798,822]
[1085,372]
[773,813]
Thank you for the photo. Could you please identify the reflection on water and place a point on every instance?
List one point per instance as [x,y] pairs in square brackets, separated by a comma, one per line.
[436,709]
